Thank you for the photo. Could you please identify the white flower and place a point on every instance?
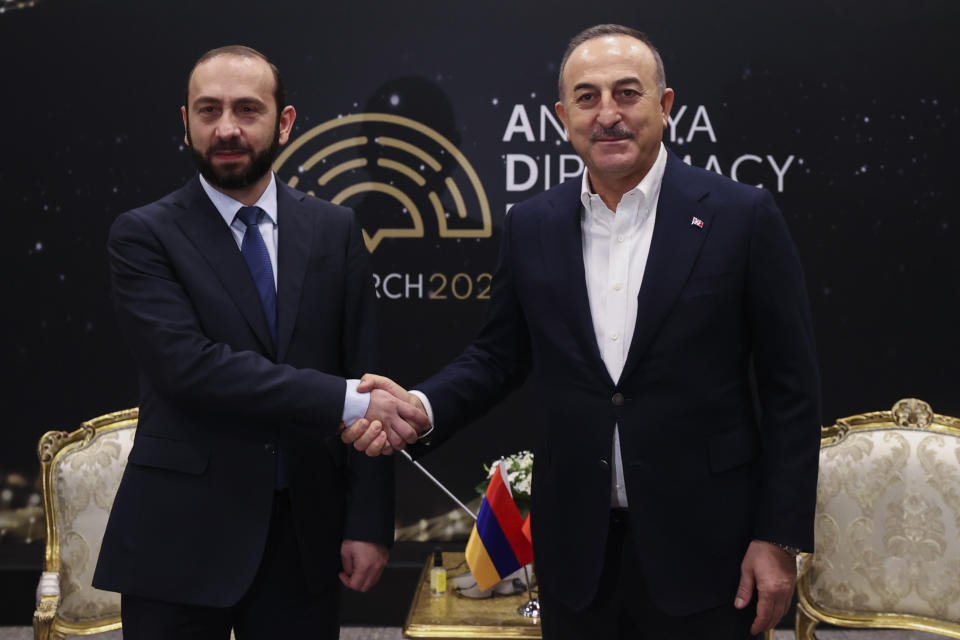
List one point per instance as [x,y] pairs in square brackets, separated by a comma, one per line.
[519,468]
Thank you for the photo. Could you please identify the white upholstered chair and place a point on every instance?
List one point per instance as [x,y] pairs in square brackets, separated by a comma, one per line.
[81,472]
[888,525]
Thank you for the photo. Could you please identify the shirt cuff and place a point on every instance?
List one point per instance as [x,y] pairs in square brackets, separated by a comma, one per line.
[427,408]
[355,404]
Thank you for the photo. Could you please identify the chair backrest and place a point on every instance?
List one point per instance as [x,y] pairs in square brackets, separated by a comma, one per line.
[81,472]
[888,522]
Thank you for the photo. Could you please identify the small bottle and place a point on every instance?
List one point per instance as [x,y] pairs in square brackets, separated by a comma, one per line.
[438,575]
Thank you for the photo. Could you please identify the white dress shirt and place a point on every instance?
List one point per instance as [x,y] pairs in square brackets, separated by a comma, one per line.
[615,249]
[354,404]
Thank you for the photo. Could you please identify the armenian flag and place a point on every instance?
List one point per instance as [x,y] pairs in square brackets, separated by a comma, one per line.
[497,545]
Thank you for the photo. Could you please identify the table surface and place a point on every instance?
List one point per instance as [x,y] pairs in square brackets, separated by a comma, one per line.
[453,616]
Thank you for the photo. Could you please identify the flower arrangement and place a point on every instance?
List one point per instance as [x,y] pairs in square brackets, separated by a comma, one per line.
[519,468]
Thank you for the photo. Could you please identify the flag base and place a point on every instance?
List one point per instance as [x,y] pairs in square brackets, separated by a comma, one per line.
[531,609]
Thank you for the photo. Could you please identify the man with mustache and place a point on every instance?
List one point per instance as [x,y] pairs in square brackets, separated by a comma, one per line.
[248,307]
[659,313]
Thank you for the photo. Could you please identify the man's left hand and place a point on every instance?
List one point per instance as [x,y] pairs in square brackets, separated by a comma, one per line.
[363,562]
[774,574]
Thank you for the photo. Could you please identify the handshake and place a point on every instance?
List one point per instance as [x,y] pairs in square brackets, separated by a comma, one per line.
[394,419]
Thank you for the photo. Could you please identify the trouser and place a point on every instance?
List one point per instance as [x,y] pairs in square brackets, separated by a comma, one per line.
[278,603]
[623,608]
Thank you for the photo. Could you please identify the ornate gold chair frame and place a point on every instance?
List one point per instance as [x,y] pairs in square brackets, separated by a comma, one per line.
[49,619]
[860,588]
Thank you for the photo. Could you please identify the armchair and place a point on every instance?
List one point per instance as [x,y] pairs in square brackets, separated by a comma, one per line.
[80,475]
[888,525]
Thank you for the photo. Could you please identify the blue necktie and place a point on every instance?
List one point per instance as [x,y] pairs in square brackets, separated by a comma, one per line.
[258,260]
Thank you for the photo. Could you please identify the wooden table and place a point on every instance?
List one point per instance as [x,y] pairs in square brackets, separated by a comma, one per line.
[452,616]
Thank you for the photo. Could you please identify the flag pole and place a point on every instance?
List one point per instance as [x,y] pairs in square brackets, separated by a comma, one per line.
[438,483]
[530,609]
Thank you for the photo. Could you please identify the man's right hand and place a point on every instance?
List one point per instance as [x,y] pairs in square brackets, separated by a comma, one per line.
[394,418]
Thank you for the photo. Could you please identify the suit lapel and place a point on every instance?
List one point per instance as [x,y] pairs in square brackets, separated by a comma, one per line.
[293,253]
[204,227]
[674,249]
[561,251]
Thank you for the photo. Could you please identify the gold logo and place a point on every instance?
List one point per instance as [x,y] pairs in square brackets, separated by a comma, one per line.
[404,166]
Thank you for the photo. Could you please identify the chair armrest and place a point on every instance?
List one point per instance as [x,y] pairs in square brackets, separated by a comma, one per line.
[49,585]
[48,601]
[803,563]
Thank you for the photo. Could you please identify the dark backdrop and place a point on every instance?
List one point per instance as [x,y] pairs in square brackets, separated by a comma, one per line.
[855,104]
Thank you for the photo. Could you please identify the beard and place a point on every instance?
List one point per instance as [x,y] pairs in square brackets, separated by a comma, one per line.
[232,177]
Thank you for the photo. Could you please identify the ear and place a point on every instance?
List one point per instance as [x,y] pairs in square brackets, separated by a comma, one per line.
[562,114]
[183,114]
[287,118]
[666,103]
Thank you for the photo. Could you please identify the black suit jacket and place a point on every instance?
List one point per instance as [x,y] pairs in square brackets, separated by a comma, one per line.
[707,465]
[217,397]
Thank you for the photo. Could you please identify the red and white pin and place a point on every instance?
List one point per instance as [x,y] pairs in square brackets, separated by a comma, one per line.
[697,222]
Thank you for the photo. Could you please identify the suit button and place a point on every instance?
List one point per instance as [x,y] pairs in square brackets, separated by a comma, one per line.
[270,448]
[617,399]
[604,464]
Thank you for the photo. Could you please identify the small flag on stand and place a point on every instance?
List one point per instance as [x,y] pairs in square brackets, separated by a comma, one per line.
[498,545]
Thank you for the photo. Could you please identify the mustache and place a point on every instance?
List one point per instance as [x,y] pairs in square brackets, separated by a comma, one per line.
[234,144]
[616,131]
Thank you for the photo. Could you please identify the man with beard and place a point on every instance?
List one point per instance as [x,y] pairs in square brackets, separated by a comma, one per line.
[659,315]
[248,308]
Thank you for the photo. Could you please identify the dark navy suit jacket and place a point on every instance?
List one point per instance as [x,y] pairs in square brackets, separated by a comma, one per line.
[711,460]
[217,397]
